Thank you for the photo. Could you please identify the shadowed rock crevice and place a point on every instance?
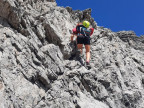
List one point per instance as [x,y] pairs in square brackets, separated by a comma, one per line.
[51,37]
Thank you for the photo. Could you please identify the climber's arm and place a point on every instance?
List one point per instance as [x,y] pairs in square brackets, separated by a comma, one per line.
[91,31]
[72,36]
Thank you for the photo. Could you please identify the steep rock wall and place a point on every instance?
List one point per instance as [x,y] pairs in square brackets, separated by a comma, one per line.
[35,70]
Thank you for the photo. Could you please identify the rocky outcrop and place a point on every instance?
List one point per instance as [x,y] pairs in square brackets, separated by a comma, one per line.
[81,15]
[39,69]
[133,40]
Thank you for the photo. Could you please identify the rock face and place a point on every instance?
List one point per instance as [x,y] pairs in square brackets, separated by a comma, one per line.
[35,66]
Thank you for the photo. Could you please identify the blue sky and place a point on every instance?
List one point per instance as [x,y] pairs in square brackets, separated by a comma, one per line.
[116,15]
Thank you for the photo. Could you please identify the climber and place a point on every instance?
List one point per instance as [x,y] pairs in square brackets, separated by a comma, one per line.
[83,37]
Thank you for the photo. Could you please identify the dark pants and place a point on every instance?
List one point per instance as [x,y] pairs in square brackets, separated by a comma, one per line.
[83,40]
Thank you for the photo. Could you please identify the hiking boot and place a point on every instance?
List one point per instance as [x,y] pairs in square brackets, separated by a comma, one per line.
[88,65]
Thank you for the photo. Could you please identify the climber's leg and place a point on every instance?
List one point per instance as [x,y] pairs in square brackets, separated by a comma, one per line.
[87,47]
[80,46]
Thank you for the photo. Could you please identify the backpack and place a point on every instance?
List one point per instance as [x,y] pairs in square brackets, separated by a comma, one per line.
[75,31]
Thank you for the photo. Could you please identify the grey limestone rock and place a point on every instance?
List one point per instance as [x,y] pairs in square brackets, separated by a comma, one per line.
[131,38]
[39,67]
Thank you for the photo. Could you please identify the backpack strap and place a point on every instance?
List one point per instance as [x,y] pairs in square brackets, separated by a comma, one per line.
[80,30]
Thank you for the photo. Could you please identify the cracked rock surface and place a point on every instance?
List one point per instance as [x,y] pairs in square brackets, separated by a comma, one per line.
[39,67]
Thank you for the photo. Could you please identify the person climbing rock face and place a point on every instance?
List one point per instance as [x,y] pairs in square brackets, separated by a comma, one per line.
[83,38]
